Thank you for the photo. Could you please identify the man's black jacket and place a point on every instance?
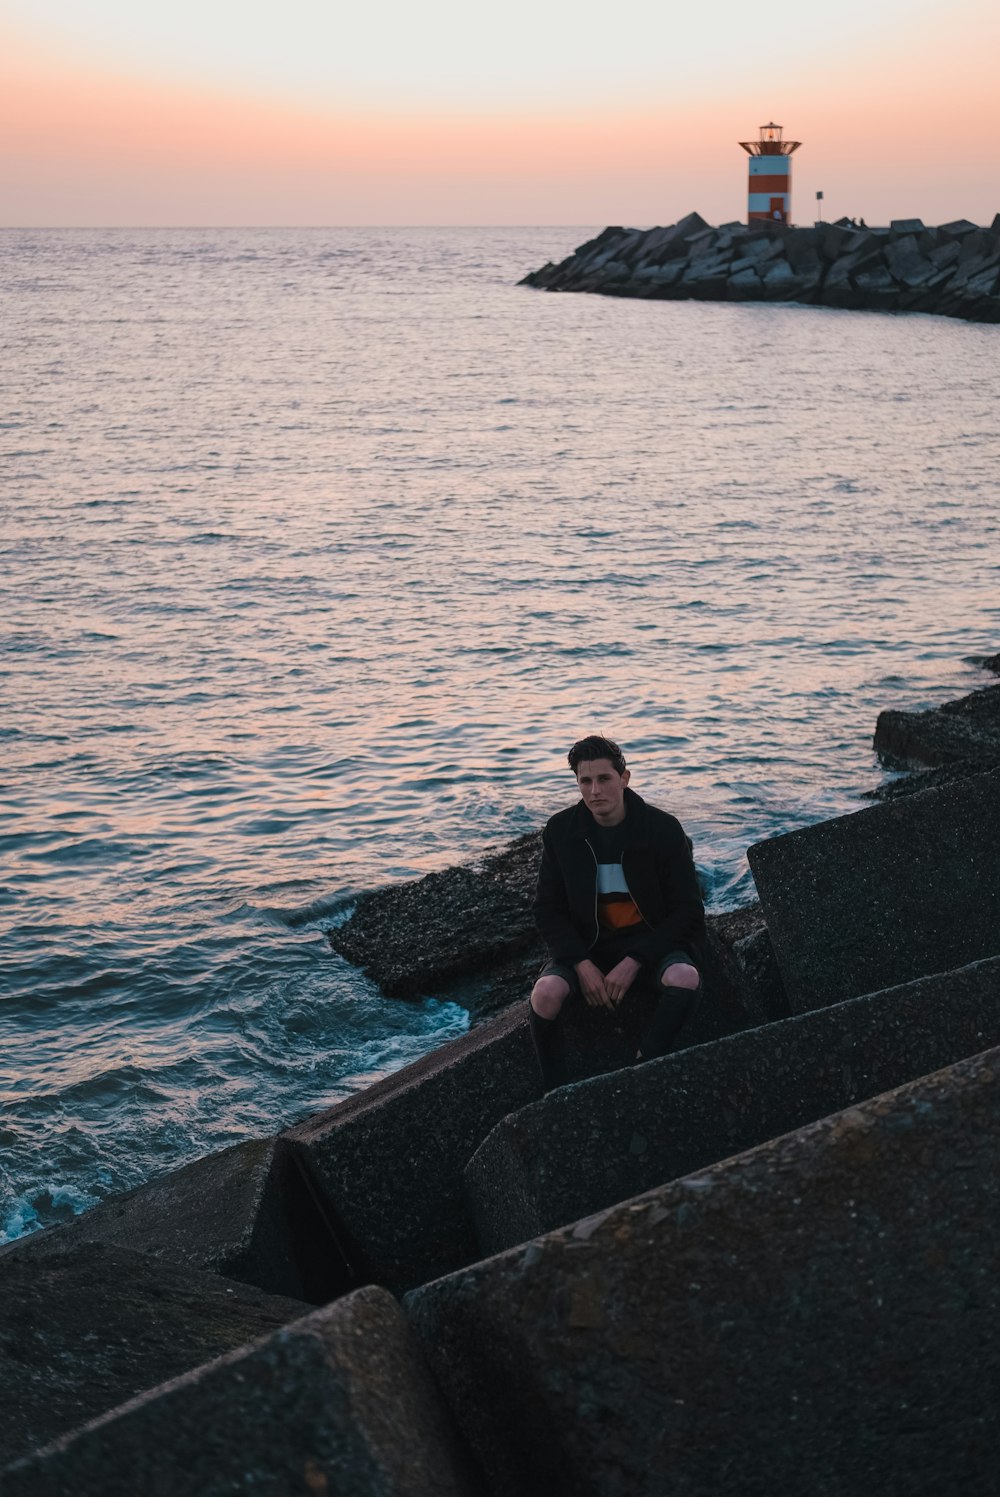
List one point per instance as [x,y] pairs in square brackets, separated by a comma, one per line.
[659,870]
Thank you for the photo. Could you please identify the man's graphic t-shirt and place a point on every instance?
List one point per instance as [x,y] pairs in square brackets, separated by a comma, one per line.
[616,909]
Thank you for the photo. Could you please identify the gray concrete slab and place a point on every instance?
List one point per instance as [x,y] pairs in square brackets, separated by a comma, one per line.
[386,1165]
[86,1325]
[886,895]
[340,1402]
[816,1316]
[588,1146]
[242,1212]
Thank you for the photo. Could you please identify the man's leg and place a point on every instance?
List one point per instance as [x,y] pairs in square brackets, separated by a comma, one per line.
[547,998]
[679,989]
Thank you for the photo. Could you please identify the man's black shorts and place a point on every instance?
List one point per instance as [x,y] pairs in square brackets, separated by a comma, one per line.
[607,955]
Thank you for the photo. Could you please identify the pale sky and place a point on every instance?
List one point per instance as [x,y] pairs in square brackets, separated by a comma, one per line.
[555,111]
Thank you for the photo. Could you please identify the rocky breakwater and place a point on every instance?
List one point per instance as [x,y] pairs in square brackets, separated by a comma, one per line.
[796,1216]
[952,270]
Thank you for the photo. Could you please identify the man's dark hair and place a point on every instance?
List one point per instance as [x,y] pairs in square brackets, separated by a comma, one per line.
[596,747]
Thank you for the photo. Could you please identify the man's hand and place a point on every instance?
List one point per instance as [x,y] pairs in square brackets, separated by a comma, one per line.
[618,981]
[593,984]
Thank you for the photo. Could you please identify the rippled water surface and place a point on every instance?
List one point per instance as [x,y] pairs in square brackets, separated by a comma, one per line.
[319,548]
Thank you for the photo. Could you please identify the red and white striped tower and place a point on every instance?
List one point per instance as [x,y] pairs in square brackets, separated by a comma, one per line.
[770,187]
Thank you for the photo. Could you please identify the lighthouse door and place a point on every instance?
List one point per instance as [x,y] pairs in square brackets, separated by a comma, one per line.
[778,209]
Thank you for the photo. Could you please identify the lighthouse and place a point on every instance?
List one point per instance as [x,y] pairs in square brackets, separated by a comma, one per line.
[770,186]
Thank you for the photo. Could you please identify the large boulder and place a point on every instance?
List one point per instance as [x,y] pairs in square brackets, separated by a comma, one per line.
[412,937]
[966,729]
[340,1402]
[885,895]
[817,1315]
[585,1147]
[87,1325]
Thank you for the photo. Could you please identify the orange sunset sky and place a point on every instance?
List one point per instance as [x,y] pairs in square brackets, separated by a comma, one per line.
[544,113]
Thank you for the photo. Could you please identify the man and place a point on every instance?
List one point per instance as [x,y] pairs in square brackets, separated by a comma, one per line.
[617,904]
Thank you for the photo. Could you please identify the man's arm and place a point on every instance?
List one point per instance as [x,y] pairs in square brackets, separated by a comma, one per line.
[684,922]
[551,912]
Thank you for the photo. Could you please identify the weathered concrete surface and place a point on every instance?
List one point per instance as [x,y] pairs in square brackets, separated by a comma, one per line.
[953,270]
[87,1325]
[243,1213]
[387,1164]
[815,1316]
[586,1147]
[340,1402]
[885,895]
[967,729]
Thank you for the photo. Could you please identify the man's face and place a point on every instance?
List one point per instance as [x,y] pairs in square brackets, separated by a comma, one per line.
[603,790]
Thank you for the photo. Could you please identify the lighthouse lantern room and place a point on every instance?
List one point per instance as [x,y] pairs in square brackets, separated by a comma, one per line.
[770,185]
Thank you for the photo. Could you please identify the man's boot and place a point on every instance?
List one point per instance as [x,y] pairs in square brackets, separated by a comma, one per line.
[675,1007]
[548,1048]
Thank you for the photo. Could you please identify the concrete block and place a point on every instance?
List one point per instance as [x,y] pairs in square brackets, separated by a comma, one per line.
[885,895]
[815,1316]
[387,1164]
[906,262]
[87,1325]
[340,1402]
[244,1213]
[588,1146]
[904,226]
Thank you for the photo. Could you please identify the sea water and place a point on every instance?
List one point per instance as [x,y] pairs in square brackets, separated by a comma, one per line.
[320,547]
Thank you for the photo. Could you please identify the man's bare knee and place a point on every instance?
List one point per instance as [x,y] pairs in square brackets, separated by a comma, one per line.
[680,975]
[548,996]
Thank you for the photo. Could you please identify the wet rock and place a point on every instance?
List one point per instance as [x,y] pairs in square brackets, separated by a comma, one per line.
[86,1325]
[414,937]
[885,895]
[585,1147]
[816,1314]
[341,1401]
[923,779]
[965,729]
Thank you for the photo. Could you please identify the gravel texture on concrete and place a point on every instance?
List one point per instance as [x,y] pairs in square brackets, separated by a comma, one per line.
[340,1402]
[242,1212]
[86,1325]
[885,895]
[817,1315]
[587,1146]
